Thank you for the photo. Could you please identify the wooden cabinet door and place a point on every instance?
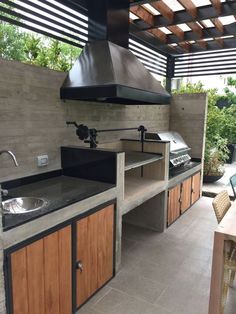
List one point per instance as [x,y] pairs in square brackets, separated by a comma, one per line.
[86,256]
[196,186]
[94,252]
[41,275]
[173,204]
[185,199]
[105,245]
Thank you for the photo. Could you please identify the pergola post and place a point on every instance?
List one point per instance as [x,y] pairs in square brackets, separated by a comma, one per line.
[170,70]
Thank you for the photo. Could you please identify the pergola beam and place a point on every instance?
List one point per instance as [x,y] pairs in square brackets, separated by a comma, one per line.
[143,14]
[165,11]
[218,25]
[177,31]
[206,33]
[190,7]
[217,5]
[140,2]
[206,12]
[215,45]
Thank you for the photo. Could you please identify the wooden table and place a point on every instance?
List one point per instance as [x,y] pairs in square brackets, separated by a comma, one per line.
[226,230]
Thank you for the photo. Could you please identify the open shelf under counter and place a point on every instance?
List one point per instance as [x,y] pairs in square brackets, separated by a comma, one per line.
[138,190]
[137,159]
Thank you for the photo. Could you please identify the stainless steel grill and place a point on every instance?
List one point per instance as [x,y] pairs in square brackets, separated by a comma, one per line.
[179,150]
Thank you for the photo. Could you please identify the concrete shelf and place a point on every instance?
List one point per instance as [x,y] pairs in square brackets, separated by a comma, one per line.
[138,190]
[138,159]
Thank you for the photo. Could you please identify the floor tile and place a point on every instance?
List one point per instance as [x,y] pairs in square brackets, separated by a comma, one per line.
[137,286]
[117,302]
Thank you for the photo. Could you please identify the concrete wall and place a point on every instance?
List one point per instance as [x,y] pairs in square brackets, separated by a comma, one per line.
[188,114]
[33,122]
[33,118]
[2,287]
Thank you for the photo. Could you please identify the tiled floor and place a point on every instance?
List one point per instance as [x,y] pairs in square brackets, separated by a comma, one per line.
[211,189]
[166,273]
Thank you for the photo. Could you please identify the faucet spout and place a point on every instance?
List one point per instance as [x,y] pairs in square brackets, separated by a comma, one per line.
[11,155]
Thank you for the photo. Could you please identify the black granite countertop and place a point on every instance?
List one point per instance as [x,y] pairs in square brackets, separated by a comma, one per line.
[182,169]
[59,192]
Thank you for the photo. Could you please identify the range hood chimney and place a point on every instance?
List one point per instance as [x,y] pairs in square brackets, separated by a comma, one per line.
[106,71]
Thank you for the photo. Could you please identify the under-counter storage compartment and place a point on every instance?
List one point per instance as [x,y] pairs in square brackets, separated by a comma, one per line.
[94,253]
[196,187]
[40,276]
[57,271]
[182,196]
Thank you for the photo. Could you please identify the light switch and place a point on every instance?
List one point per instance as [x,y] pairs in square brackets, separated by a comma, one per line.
[42,160]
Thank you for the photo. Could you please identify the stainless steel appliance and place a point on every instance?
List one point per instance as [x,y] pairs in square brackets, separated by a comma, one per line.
[180,160]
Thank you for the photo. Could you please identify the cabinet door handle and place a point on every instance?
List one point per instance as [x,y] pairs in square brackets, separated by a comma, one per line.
[79,265]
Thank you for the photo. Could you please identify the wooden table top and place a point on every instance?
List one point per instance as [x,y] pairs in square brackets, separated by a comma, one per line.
[227,225]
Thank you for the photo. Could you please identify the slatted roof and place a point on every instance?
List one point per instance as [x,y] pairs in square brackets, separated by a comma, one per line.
[185,26]
[173,38]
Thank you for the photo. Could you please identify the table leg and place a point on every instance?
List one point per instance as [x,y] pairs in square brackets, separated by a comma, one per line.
[217,274]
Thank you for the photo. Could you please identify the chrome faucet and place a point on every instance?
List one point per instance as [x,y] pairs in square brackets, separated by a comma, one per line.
[5,192]
[10,154]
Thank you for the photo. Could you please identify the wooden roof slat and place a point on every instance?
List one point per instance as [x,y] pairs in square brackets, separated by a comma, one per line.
[196,29]
[214,45]
[220,42]
[165,11]
[139,2]
[143,14]
[177,31]
[159,34]
[218,25]
[205,12]
[185,46]
[202,44]
[217,5]
[190,7]
[206,33]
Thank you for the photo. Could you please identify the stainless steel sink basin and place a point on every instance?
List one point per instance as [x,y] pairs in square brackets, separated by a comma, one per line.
[23,205]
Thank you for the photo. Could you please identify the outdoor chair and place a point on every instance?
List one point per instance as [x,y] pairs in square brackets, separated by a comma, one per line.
[233,184]
[221,205]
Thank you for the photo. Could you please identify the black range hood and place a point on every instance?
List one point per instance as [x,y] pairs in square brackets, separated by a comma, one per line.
[106,71]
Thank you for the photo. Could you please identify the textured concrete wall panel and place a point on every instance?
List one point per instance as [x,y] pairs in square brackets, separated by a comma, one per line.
[33,118]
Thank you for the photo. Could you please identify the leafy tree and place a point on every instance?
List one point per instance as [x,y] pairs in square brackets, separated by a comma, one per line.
[231,81]
[31,48]
[11,42]
[229,127]
[190,88]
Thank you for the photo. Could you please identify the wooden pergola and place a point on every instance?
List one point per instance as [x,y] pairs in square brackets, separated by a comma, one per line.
[178,37]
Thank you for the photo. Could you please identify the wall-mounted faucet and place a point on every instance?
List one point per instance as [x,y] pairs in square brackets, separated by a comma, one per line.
[11,155]
[5,192]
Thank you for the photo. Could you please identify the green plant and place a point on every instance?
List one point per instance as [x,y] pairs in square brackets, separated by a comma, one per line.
[28,47]
[190,88]
[229,127]
[216,153]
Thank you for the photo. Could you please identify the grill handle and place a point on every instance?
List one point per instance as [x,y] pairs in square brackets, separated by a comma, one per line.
[181,151]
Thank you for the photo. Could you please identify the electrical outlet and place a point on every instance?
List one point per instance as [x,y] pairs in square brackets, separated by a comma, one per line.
[42,160]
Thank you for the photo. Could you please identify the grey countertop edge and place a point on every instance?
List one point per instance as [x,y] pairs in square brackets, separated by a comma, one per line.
[43,223]
[173,181]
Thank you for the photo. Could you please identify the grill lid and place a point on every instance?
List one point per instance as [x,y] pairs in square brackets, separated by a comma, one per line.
[177,143]
[178,148]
